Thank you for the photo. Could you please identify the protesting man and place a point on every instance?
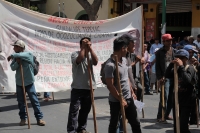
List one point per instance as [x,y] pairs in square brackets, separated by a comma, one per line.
[154,46]
[80,93]
[26,59]
[197,42]
[163,58]
[186,80]
[120,49]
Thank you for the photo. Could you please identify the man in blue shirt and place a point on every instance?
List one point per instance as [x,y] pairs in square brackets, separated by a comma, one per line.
[155,45]
[27,61]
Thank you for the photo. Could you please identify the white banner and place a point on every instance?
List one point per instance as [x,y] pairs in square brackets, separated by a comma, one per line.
[52,40]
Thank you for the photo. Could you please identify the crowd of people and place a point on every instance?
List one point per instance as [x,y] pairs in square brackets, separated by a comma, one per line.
[157,63]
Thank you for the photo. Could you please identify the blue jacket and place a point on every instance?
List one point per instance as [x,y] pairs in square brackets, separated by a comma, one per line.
[27,65]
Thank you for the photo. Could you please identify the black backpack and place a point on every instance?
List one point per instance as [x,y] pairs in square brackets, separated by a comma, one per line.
[102,73]
[36,66]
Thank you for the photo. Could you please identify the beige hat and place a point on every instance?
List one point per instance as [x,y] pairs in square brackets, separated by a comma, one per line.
[19,43]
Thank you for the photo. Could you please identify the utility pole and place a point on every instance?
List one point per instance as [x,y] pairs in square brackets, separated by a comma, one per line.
[163,31]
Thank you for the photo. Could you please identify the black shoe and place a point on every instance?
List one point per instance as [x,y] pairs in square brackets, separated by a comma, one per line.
[148,93]
[38,94]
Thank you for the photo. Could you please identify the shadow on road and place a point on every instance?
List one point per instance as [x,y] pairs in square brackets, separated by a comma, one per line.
[191,130]
[153,124]
[2,125]
[101,118]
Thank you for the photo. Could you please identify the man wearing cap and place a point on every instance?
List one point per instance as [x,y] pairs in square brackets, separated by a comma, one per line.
[191,41]
[164,56]
[186,80]
[155,45]
[26,59]
[192,50]
[184,41]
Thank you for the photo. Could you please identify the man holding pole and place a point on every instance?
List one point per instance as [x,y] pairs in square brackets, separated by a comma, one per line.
[163,58]
[26,59]
[120,49]
[186,80]
[80,93]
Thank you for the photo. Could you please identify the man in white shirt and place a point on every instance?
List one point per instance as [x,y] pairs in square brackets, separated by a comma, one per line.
[197,42]
[155,45]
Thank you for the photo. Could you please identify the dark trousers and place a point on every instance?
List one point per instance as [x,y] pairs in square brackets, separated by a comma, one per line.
[131,115]
[168,97]
[80,98]
[146,82]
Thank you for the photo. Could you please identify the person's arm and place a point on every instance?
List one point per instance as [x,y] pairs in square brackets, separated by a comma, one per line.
[151,50]
[158,70]
[81,56]
[169,73]
[23,55]
[113,90]
[14,65]
[187,75]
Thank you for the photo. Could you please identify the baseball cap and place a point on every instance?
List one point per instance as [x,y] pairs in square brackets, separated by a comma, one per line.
[19,43]
[128,36]
[166,37]
[190,47]
[183,53]
[156,50]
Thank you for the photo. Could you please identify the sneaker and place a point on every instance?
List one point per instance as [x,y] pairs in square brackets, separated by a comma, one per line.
[83,131]
[47,99]
[169,118]
[22,122]
[41,122]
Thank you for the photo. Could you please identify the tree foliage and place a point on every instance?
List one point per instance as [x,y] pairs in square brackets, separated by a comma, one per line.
[91,9]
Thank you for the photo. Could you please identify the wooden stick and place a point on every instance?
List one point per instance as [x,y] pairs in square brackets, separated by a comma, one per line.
[157,87]
[176,99]
[197,111]
[163,102]
[91,93]
[53,96]
[23,87]
[120,95]
[142,83]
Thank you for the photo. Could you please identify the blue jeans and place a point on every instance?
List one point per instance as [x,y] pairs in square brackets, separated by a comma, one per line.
[131,115]
[46,94]
[146,82]
[168,97]
[30,89]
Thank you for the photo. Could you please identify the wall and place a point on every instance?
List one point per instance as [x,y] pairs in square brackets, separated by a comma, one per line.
[195,18]
[72,8]
[152,14]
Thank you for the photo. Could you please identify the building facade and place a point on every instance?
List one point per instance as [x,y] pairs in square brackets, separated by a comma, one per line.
[73,10]
[182,16]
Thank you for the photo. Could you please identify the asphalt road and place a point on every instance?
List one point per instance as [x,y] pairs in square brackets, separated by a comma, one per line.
[56,113]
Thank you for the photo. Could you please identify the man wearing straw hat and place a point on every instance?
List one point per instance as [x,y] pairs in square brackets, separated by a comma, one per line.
[27,61]
[120,49]
[186,80]
[80,93]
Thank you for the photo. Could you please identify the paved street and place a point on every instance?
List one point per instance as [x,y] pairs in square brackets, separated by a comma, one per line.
[56,113]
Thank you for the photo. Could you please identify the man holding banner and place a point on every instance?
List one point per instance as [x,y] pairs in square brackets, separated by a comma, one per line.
[80,93]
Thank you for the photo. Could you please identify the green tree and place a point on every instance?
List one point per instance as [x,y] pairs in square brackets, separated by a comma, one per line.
[91,9]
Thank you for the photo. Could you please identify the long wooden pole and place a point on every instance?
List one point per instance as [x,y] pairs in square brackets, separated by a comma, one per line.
[141,65]
[23,87]
[163,101]
[91,93]
[176,99]
[120,95]
[197,111]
